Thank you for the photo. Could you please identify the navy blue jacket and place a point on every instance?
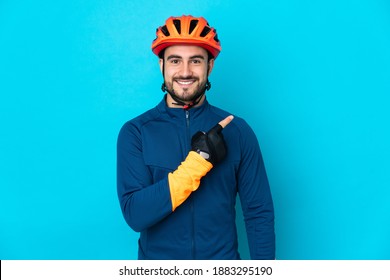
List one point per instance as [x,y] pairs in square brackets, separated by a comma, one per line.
[203,227]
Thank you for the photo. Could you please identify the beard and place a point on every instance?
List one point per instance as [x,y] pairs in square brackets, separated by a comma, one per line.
[184,94]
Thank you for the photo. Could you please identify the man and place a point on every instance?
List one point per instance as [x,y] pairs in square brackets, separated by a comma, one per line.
[181,164]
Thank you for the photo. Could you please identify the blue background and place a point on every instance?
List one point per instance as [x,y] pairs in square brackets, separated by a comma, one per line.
[310,77]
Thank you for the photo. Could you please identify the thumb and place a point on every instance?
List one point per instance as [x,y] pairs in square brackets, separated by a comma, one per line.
[226,121]
[221,125]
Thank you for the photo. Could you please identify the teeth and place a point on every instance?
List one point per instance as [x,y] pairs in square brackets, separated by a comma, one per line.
[185,82]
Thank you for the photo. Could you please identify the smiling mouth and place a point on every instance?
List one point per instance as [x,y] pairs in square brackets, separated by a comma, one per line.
[185,82]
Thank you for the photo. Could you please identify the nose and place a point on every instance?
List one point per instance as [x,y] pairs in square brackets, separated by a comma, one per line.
[186,70]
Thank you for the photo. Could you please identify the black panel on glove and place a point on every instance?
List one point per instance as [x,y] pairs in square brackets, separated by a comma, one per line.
[210,145]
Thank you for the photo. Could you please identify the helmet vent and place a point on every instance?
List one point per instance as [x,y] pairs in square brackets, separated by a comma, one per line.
[206,30]
[216,36]
[177,24]
[164,30]
[193,24]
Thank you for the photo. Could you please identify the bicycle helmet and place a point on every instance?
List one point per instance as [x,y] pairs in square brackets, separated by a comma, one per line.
[186,30]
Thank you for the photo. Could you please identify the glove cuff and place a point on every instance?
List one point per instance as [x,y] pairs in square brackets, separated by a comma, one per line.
[186,178]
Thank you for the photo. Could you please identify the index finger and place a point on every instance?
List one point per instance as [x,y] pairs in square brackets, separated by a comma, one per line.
[226,121]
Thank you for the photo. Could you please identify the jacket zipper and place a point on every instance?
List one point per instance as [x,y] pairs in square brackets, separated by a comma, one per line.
[191,199]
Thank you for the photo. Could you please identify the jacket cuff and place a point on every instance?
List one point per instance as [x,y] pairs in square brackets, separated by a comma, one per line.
[186,178]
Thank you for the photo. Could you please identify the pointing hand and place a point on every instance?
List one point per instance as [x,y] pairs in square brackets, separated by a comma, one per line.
[211,145]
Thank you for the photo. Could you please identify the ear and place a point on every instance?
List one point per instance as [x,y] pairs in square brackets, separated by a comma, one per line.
[161,62]
[210,66]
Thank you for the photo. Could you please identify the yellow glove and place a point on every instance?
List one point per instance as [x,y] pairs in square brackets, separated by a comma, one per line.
[186,178]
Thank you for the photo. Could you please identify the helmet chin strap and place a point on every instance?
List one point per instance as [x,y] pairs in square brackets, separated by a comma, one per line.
[194,101]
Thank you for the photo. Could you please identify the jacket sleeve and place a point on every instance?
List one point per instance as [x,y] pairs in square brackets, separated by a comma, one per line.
[256,199]
[144,202]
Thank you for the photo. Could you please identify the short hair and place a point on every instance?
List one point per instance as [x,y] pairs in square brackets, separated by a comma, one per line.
[209,55]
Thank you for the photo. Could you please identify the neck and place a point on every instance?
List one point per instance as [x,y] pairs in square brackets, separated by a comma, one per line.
[171,102]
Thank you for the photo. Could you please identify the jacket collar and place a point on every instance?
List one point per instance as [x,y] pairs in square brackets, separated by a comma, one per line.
[180,112]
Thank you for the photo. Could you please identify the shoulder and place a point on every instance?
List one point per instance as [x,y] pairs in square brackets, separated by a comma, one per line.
[134,126]
[238,133]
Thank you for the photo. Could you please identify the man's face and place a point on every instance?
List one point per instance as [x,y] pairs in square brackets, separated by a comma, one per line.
[186,70]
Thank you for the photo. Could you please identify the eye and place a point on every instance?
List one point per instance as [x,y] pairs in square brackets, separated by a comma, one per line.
[196,61]
[174,61]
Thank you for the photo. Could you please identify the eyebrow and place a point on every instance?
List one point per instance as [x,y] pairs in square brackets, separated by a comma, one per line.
[172,56]
[197,56]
